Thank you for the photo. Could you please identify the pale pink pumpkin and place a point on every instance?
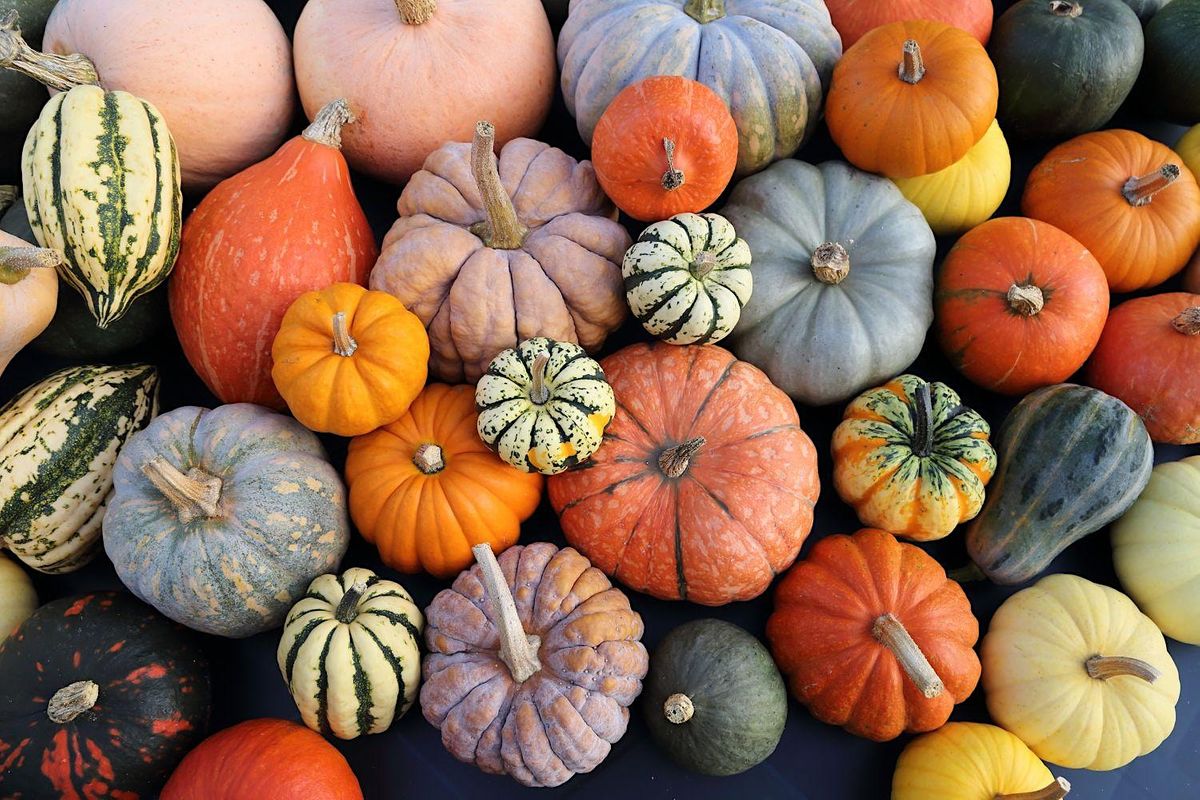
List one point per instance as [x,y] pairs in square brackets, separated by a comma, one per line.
[28,293]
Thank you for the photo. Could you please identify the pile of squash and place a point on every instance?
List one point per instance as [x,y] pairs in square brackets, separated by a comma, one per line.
[468,357]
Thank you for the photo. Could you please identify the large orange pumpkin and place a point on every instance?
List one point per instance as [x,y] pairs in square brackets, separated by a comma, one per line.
[704,487]
[854,18]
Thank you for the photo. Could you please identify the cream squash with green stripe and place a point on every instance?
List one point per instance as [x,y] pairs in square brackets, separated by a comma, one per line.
[350,653]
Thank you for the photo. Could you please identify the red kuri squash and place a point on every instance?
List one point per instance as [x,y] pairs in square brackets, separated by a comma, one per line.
[853,18]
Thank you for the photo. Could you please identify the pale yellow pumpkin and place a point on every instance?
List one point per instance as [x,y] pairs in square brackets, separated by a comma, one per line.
[17,597]
[28,293]
[1188,147]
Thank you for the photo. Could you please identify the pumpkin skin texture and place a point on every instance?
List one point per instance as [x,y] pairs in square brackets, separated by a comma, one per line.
[424,489]
[17,596]
[1171,57]
[769,62]
[272,758]
[1019,305]
[1039,656]
[219,519]
[1072,459]
[832,613]
[1149,357]
[140,700]
[714,700]
[911,458]
[885,124]
[853,18]
[823,329]
[705,485]
[28,294]
[1088,186]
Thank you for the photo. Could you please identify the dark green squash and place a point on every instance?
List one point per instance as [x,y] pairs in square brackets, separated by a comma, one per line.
[1146,9]
[1072,460]
[1172,73]
[714,700]
[1064,66]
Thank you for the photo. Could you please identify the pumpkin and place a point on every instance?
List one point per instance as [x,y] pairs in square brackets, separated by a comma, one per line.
[873,637]
[1065,66]
[714,700]
[665,145]
[488,253]
[769,62]
[704,488]
[1149,357]
[272,758]
[543,406]
[22,97]
[1072,459]
[1125,199]
[1079,674]
[28,293]
[1188,148]
[843,274]
[350,653]
[911,98]
[102,698]
[221,74]
[424,489]
[219,519]
[533,662]
[347,360]
[58,442]
[853,18]
[475,62]
[1146,9]
[1156,549]
[244,241]
[1019,305]
[1171,72]
[909,457]
[968,191]
[17,596]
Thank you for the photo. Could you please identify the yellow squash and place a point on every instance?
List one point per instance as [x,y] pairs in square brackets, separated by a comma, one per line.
[17,597]
[1188,147]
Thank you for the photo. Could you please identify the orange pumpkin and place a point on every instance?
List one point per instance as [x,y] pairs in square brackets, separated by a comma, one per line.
[874,637]
[1124,197]
[424,489]
[666,145]
[911,98]
[704,487]
[853,18]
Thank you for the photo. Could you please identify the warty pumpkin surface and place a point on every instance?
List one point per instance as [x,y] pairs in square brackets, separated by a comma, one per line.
[28,293]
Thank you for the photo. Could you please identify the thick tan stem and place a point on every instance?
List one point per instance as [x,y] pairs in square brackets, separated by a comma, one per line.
[1140,191]
[538,393]
[1026,300]
[830,263]
[503,229]
[518,651]
[673,178]
[416,12]
[1188,321]
[1103,668]
[912,65]
[1065,8]
[343,343]
[326,127]
[61,73]
[705,263]
[890,632]
[704,10]
[1057,790]
[194,495]
[678,708]
[72,700]
[430,459]
[674,461]
[347,609]
[15,262]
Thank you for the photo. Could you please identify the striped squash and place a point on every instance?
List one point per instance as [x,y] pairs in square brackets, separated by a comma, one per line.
[102,185]
[350,653]
[58,442]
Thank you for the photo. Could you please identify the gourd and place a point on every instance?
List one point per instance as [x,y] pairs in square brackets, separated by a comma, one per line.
[424,489]
[488,252]
[219,519]
[1156,549]
[665,145]
[853,18]
[1065,66]
[909,457]
[1149,358]
[714,700]
[58,442]
[347,360]
[478,61]
[1079,674]
[243,241]
[704,488]
[21,97]
[873,637]
[911,98]
[1019,305]
[1146,9]
[350,653]
[550,710]
[843,274]
[103,697]
[17,596]
[28,293]
[1125,199]
[543,406]
[1072,459]
[771,64]
[1171,71]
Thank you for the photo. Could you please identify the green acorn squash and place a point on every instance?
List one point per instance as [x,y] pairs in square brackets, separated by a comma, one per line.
[1172,72]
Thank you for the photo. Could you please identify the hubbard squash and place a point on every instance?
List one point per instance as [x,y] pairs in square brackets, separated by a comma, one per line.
[28,293]
[22,97]
[1172,71]
[853,18]
[17,596]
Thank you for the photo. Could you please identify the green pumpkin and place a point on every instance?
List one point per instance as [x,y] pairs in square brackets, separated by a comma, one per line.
[22,98]
[1172,71]
[1146,9]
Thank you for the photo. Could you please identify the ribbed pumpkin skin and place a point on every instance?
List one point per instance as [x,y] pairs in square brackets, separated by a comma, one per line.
[967,761]
[1072,459]
[17,596]
[1172,70]
[152,706]
[21,97]
[26,305]
[853,18]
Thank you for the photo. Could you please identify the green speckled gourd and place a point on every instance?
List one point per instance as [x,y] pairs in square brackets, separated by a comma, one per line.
[221,518]
[58,443]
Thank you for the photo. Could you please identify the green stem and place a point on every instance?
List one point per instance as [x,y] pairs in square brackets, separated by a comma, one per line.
[347,609]
[704,11]
[922,414]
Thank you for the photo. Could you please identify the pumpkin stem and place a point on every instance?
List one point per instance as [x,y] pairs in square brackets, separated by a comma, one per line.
[518,651]
[672,179]
[1065,8]
[15,262]
[912,67]
[347,609]
[72,700]
[1140,191]
[678,708]
[674,461]
[61,73]
[1187,323]
[430,459]
[705,263]
[538,393]
[1027,300]
[326,127]
[1057,790]
[343,343]
[8,196]
[922,417]
[1103,668]
[704,10]
[830,263]
[891,633]
[416,12]
[968,573]
[194,495]
[502,230]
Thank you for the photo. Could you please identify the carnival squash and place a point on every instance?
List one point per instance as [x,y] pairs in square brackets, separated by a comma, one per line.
[853,18]
[17,596]
[1172,69]
[28,293]
[22,97]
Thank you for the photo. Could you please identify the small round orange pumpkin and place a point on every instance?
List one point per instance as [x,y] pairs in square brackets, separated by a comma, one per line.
[665,146]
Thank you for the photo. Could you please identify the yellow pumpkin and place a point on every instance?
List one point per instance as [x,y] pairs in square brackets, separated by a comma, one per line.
[28,293]
[349,360]
[17,597]
[1079,674]
[1188,147]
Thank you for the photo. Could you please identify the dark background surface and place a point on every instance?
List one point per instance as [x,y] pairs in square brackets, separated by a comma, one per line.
[814,761]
